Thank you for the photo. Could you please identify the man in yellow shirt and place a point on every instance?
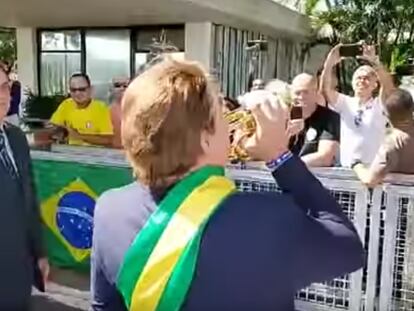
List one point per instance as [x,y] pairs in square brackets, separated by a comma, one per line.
[87,120]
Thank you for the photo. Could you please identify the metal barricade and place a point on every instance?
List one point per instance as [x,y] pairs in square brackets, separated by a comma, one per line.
[345,293]
[384,218]
[397,273]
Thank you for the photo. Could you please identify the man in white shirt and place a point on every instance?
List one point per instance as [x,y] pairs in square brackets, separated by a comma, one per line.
[363,122]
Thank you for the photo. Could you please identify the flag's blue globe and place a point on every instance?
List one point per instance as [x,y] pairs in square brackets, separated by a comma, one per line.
[74,218]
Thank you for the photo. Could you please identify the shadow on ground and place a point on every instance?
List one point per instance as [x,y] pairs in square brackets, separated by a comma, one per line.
[42,303]
[66,291]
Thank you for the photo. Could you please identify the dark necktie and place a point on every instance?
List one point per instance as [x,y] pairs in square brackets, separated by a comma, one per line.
[5,157]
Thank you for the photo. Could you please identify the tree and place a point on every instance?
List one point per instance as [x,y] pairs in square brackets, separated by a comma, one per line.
[8,45]
[387,23]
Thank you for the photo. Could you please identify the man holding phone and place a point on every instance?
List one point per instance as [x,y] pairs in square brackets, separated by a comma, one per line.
[315,129]
[363,121]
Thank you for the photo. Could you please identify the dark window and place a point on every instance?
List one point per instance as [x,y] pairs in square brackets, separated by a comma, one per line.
[150,40]
[65,51]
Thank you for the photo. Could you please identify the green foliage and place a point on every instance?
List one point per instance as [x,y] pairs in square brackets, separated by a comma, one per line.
[310,6]
[399,54]
[41,107]
[8,45]
[388,23]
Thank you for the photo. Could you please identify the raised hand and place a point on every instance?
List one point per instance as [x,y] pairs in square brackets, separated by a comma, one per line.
[369,54]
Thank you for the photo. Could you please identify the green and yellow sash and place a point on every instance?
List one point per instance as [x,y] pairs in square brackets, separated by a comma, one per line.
[158,267]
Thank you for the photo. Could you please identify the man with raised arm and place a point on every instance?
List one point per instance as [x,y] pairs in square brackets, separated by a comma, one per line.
[363,122]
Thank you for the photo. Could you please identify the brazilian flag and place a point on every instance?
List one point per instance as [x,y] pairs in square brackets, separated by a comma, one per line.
[67,192]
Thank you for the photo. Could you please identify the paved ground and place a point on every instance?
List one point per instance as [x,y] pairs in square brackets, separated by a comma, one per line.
[67,291]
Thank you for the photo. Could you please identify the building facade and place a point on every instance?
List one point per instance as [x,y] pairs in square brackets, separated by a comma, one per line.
[106,39]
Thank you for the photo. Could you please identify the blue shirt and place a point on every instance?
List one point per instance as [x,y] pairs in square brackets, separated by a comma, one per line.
[257,251]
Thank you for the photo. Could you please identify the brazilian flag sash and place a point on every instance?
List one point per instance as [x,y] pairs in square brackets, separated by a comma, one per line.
[158,268]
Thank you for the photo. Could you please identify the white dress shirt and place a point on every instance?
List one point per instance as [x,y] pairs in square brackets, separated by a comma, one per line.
[8,147]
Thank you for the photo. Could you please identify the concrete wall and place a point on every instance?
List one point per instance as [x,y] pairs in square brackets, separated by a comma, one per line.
[198,38]
[199,43]
[316,58]
[199,46]
[265,16]
[26,57]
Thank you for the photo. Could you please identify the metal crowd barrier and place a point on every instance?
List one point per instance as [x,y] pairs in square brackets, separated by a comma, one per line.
[384,218]
[397,274]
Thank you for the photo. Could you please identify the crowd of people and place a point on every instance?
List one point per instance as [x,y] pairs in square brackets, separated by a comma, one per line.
[360,132]
[82,120]
[181,237]
[371,132]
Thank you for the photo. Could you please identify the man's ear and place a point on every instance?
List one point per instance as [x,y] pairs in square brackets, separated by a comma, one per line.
[92,91]
[205,141]
[377,89]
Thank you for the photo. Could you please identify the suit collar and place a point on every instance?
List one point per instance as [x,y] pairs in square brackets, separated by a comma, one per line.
[5,126]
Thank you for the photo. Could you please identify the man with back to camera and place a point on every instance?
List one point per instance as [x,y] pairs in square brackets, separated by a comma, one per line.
[87,120]
[363,122]
[317,141]
[397,150]
[23,260]
[183,238]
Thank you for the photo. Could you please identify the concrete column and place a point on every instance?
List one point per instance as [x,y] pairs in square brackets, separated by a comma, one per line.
[199,43]
[316,58]
[26,57]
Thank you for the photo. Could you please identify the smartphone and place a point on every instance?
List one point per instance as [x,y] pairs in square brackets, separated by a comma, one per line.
[296,112]
[351,50]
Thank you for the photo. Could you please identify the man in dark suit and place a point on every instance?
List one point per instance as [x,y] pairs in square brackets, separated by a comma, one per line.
[22,260]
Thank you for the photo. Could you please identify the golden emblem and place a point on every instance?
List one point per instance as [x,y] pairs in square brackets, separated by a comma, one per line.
[241,125]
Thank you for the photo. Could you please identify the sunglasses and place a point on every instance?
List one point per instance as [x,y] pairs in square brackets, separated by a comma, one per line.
[119,85]
[79,89]
[358,118]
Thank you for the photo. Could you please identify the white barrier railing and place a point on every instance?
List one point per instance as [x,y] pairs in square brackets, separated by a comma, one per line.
[397,273]
[384,219]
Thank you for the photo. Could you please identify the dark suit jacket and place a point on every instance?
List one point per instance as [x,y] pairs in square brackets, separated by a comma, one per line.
[22,204]
[257,251]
